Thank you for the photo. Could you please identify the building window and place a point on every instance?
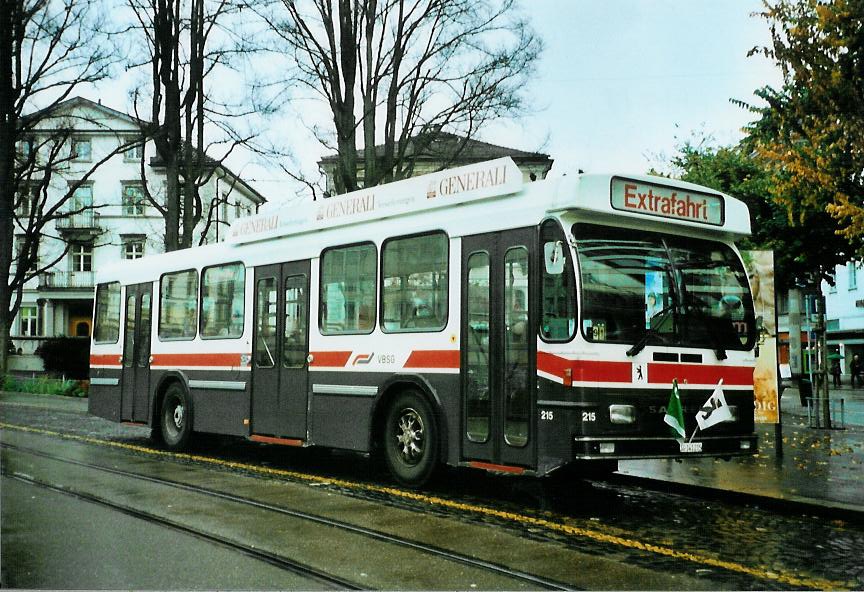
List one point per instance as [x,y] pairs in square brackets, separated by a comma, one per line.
[348,289]
[21,243]
[82,199]
[31,321]
[222,303]
[27,199]
[134,154]
[133,200]
[133,249]
[414,281]
[81,149]
[25,148]
[82,257]
[178,305]
[852,270]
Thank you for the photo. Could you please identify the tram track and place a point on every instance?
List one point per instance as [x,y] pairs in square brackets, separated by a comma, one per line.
[274,559]
[258,554]
[544,525]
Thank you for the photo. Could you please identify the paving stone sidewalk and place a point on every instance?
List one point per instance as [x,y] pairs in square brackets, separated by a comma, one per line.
[818,467]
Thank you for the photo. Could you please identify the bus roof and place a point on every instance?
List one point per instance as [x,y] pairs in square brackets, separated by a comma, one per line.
[490,196]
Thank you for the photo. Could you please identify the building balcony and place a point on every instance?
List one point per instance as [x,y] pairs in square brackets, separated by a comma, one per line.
[75,280]
[86,222]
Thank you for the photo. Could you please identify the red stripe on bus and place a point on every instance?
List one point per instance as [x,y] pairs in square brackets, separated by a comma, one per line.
[700,374]
[497,468]
[584,370]
[330,359]
[104,359]
[433,358]
[232,360]
[272,440]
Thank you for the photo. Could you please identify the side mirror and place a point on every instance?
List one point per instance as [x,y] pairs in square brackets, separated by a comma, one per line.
[553,257]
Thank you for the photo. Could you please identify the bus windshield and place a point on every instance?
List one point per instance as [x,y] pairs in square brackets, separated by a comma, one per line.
[650,288]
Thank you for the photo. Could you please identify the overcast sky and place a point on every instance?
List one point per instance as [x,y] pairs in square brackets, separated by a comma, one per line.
[624,81]
[619,85]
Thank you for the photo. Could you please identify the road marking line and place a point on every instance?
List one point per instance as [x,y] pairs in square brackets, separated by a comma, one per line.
[575,531]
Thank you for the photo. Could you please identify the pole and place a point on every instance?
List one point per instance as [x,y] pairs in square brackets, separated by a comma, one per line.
[809,340]
[825,407]
[778,427]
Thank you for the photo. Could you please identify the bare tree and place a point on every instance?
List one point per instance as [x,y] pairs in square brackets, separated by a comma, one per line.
[401,70]
[189,41]
[48,49]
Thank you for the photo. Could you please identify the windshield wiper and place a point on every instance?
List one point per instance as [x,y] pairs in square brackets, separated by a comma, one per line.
[708,321]
[650,332]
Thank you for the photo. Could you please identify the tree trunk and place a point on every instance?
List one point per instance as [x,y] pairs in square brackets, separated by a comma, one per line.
[370,93]
[8,127]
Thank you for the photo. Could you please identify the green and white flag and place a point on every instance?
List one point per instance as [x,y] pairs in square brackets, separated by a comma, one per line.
[674,412]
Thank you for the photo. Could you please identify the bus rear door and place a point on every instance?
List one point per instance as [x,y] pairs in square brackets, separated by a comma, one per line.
[498,362]
[281,346]
[135,376]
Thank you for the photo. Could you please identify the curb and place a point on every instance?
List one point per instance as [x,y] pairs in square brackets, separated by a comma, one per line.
[785,505]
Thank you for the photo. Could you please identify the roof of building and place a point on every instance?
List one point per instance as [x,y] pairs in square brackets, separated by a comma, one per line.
[449,146]
[155,162]
[77,102]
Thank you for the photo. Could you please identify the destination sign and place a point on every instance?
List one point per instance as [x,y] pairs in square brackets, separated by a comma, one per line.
[667,202]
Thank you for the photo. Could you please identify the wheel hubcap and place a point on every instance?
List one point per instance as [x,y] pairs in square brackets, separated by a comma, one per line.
[410,436]
[178,416]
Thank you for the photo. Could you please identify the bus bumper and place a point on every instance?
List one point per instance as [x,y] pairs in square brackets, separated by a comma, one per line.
[621,448]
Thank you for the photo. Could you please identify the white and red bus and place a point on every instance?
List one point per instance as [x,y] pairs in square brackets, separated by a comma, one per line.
[462,317]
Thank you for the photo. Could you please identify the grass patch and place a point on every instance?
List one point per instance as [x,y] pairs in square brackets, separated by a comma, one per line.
[46,386]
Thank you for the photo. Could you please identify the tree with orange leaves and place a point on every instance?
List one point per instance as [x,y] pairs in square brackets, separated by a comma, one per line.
[811,135]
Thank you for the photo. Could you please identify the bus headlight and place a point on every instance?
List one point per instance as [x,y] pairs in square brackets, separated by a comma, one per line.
[622,414]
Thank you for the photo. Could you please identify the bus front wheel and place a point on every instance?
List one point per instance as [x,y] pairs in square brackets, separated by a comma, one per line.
[410,439]
[176,418]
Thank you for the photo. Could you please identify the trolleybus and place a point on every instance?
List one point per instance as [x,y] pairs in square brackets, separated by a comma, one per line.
[463,317]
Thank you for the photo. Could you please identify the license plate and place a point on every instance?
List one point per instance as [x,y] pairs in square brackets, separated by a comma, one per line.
[691,446]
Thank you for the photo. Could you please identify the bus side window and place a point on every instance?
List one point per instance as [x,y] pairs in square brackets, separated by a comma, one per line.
[557,288]
[222,300]
[178,305]
[107,329]
[414,282]
[348,289]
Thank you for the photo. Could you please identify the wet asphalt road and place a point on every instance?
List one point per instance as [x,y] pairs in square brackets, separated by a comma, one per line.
[642,539]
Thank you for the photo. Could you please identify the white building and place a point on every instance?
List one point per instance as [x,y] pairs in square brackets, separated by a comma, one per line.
[120,225]
[844,312]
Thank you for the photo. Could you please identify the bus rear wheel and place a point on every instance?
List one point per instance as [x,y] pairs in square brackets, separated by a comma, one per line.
[175,420]
[410,440]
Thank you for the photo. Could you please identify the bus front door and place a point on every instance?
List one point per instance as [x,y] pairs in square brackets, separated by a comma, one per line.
[498,365]
[135,377]
[281,346]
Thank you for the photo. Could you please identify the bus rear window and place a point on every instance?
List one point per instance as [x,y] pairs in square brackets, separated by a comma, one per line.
[107,328]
